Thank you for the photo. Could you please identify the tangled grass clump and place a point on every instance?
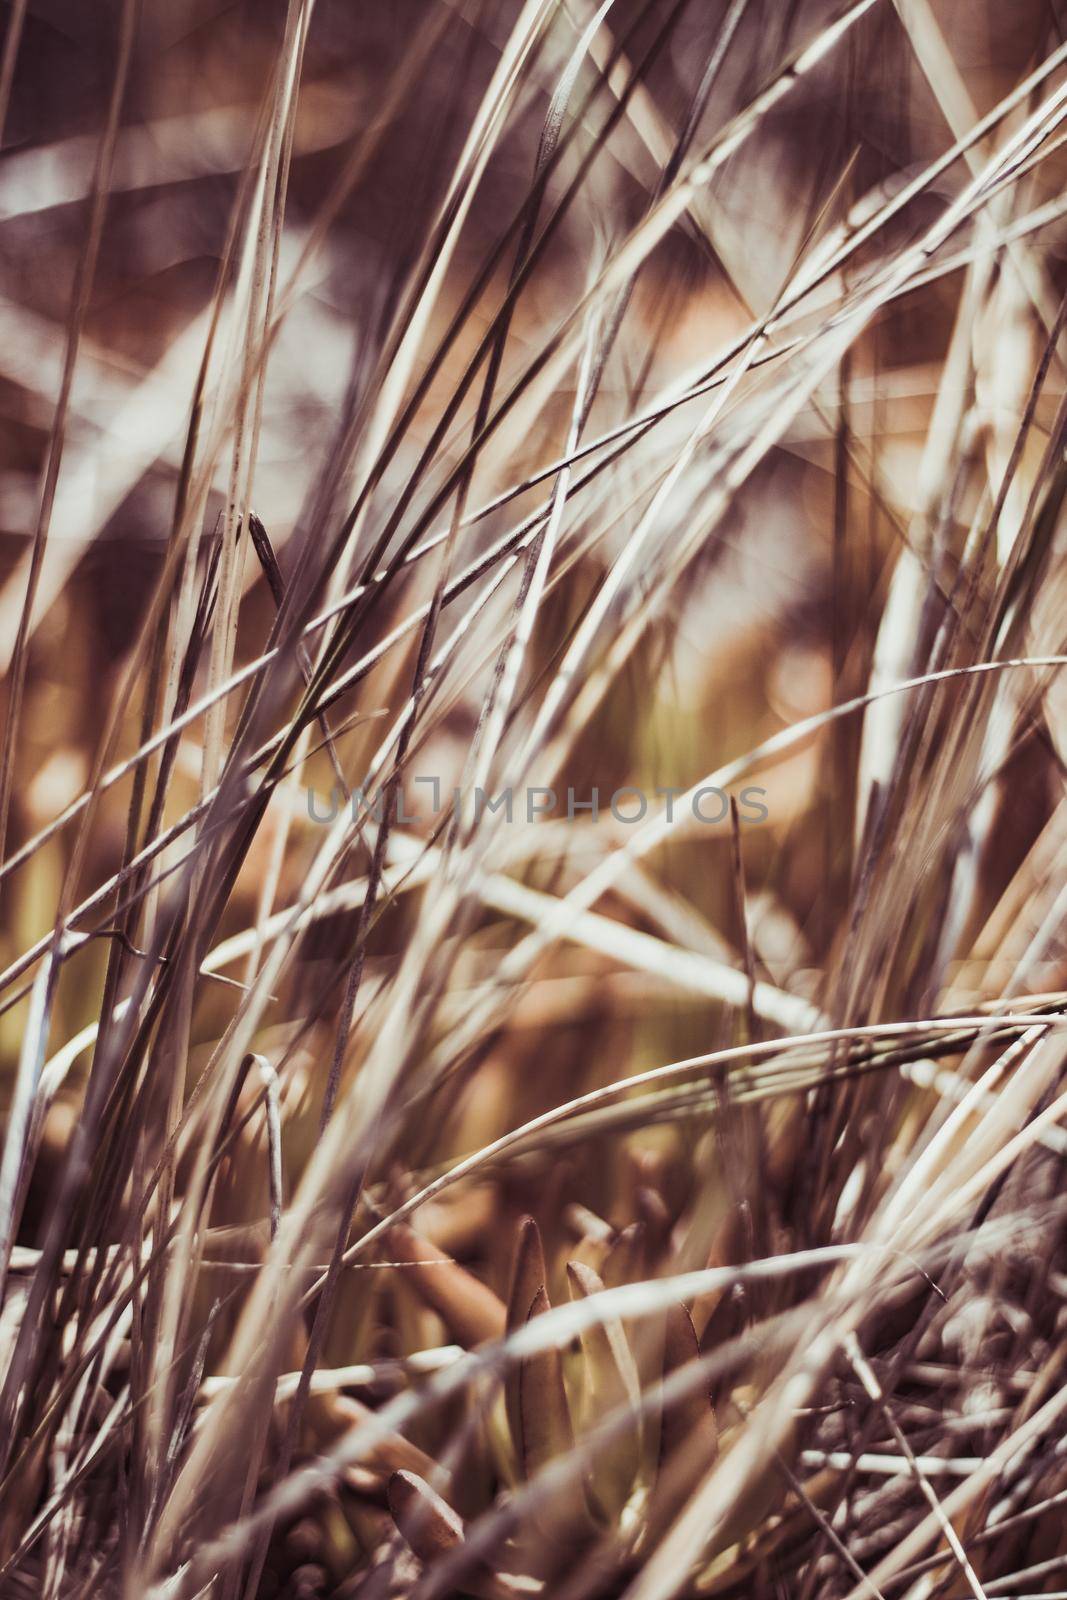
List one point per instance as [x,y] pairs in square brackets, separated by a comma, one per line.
[521,420]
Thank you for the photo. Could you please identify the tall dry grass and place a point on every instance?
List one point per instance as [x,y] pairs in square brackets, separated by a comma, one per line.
[417,404]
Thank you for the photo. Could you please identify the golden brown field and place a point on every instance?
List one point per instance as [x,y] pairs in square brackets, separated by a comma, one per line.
[533,599]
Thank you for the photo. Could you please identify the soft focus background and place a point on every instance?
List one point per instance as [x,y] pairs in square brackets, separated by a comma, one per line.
[290,261]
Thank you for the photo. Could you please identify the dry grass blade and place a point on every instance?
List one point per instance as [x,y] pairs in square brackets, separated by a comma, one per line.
[544,1413]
